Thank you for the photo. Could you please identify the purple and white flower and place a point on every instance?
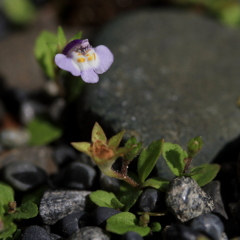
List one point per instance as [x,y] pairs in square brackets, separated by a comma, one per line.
[81,59]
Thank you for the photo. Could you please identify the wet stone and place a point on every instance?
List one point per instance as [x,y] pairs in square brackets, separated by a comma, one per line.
[35,233]
[186,200]
[76,175]
[150,200]
[23,176]
[213,190]
[58,204]
[70,224]
[101,215]
[109,184]
[87,233]
[210,225]
[169,80]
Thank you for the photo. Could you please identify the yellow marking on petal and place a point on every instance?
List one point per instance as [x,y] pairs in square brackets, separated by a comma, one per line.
[94,56]
[90,58]
[79,54]
[81,59]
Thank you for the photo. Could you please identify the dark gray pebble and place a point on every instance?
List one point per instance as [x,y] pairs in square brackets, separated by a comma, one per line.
[180,232]
[150,200]
[89,233]
[23,176]
[76,175]
[186,200]
[58,204]
[55,237]
[213,190]
[208,224]
[64,154]
[70,224]
[101,214]
[35,233]
[109,184]
[131,236]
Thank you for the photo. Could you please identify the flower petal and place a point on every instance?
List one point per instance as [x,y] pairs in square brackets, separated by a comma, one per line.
[105,59]
[66,63]
[89,76]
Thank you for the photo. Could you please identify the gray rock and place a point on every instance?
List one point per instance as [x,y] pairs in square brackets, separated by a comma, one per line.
[40,156]
[11,138]
[210,225]
[213,190]
[35,232]
[109,184]
[186,200]
[23,176]
[58,204]
[175,76]
[89,233]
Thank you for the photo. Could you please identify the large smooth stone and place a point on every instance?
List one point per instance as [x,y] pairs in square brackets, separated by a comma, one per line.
[175,76]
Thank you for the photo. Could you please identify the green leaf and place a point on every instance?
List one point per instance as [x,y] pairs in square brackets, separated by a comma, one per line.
[82,147]
[45,50]
[194,146]
[114,141]
[211,171]
[19,12]
[128,195]
[231,15]
[76,36]
[135,147]
[7,195]
[9,229]
[158,183]
[43,132]
[155,226]
[26,211]
[195,171]
[148,159]
[61,38]
[105,199]
[35,196]
[98,134]
[174,156]
[125,222]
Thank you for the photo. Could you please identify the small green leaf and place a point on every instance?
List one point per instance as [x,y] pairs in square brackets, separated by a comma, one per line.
[155,226]
[114,141]
[26,211]
[7,195]
[194,146]
[105,199]
[19,12]
[9,229]
[125,222]
[135,147]
[43,132]
[44,52]
[148,159]
[82,147]
[174,156]
[98,134]
[128,195]
[195,171]
[158,183]
[211,171]
[61,38]
[76,36]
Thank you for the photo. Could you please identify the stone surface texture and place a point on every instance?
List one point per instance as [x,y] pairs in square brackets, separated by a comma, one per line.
[175,76]
[89,233]
[186,200]
[58,204]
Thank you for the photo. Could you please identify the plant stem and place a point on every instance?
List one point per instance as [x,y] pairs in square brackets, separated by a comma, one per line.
[188,162]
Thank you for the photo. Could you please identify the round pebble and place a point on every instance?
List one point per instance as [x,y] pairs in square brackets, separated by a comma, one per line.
[76,175]
[209,224]
[35,233]
[101,214]
[131,236]
[24,176]
[70,224]
[150,200]
[186,200]
[109,184]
